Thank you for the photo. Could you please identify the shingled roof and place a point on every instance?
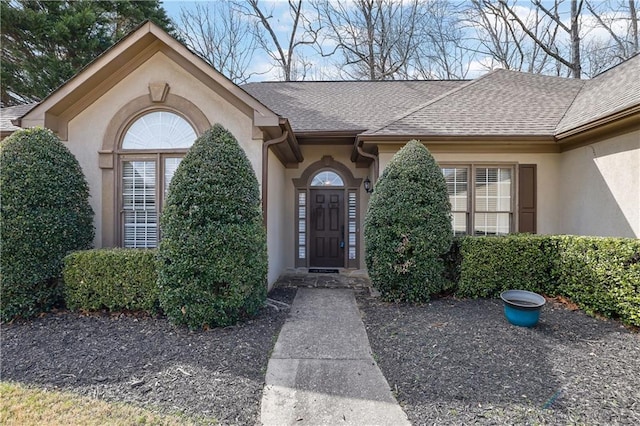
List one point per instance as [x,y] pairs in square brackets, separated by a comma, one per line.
[345,105]
[613,91]
[501,103]
[8,114]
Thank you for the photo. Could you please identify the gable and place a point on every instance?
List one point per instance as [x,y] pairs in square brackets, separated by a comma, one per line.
[121,60]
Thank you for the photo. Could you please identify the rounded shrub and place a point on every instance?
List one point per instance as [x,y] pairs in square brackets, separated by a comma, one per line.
[408,227]
[44,215]
[212,260]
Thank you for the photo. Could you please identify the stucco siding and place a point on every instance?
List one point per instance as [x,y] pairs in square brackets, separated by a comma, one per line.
[600,188]
[87,130]
[549,213]
[280,249]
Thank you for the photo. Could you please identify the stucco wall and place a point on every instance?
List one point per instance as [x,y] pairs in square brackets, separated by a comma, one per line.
[278,220]
[600,188]
[87,130]
[549,212]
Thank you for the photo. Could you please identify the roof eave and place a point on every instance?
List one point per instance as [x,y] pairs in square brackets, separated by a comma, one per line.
[606,127]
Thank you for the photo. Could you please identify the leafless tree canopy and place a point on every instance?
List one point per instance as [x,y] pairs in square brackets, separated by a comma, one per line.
[220,33]
[411,39]
[285,51]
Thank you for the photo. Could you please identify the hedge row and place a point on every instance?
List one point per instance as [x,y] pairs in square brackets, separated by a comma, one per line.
[601,275]
[115,279]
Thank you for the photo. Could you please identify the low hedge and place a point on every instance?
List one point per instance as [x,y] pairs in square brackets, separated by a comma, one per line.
[600,274]
[114,279]
[491,265]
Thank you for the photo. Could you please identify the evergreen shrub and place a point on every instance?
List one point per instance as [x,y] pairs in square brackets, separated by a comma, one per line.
[115,279]
[601,275]
[407,227]
[212,260]
[491,265]
[44,215]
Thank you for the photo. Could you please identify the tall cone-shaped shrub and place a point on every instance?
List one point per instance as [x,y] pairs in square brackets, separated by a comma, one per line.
[408,227]
[212,260]
[45,214]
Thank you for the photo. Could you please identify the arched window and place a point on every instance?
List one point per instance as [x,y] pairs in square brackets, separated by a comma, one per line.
[159,130]
[152,148]
[327,178]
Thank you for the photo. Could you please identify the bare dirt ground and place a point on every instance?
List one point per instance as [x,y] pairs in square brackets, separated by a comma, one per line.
[460,362]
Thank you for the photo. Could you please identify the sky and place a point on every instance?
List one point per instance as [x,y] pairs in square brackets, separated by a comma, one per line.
[262,65]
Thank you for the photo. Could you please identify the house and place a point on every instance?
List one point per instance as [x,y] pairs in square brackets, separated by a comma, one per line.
[520,152]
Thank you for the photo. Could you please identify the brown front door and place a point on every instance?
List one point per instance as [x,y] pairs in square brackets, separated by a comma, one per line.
[327,228]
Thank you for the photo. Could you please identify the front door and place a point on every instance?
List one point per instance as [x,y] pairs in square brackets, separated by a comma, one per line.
[327,228]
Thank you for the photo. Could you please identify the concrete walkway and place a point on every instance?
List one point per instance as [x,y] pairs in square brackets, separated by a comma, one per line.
[321,371]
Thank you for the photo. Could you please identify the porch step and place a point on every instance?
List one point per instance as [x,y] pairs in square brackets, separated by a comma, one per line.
[300,278]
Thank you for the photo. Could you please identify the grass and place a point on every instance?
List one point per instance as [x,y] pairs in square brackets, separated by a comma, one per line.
[24,405]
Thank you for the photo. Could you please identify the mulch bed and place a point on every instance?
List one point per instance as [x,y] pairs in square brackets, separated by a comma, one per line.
[460,362]
[217,373]
[448,362]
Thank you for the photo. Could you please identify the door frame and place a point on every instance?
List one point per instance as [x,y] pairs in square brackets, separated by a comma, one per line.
[327,192]
[351,211]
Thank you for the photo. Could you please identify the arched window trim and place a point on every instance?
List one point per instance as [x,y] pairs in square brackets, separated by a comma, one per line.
[189,133]
[111,155]
[328,180]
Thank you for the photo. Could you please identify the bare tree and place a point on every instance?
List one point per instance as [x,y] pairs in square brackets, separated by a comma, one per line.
[442,52]
[571,59]
[506,43]
[619,20]
[377,38]
[222,35]
[286,53]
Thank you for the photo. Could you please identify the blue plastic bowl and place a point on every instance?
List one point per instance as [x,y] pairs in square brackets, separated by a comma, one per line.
[521,307]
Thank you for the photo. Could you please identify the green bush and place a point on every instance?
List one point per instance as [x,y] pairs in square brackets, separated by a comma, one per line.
[115,279]
[408,227]
[491,265]
[44,215]
[601,275]
[212,261]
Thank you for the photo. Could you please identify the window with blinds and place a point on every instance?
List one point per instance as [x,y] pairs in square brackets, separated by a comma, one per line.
[482,199]
[152,149]
[139,204]
[493,201]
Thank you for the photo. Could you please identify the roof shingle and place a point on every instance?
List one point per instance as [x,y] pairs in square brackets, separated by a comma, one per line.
[501,103]
[11,113]
[612,91]
[345,105]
